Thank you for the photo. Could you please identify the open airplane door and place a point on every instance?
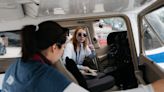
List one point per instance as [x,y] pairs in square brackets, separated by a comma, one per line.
[151,27]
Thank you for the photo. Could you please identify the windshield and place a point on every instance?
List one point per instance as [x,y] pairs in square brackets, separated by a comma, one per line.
[153,34]
[156,20]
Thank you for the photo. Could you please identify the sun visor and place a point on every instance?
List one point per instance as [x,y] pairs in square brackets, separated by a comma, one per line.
[63,7]
[10,10]
[77,7]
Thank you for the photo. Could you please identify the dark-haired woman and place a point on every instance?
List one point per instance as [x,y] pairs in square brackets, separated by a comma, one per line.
[42,46]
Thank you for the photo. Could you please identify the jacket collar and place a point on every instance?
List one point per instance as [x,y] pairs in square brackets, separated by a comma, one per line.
[39,57]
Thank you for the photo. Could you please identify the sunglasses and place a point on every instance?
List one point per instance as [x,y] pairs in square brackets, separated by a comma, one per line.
[82,34]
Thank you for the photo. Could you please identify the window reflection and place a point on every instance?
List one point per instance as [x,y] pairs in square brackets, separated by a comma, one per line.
[155,19]
[105,26]
[9,43]
[13,38]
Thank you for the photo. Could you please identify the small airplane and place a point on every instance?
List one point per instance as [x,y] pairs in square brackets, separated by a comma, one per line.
[128,35]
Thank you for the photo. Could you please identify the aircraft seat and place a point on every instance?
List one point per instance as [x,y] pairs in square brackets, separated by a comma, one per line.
[96,84]
[119,56]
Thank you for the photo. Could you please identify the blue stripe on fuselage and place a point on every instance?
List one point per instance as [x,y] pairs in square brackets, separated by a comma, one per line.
[158,58]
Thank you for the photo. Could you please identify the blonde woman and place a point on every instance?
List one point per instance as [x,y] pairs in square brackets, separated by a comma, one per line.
[78,48]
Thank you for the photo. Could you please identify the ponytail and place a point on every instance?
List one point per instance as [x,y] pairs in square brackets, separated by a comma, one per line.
[38,38]
[29,45]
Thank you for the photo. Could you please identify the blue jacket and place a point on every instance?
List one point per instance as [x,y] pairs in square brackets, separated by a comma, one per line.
[33,76]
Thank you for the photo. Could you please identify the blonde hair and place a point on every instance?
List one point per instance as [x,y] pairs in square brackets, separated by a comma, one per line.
[74,40]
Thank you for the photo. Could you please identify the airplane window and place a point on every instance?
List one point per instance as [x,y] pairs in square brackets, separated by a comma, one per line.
[9,43]
[151,41]
[156,20]
[105,26]
[9,48]
[153,33]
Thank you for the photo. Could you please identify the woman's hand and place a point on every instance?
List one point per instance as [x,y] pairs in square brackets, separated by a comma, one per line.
[91,47]
[158,85]
[86,69]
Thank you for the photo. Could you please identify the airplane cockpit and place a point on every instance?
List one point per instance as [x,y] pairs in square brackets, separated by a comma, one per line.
[128,35]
